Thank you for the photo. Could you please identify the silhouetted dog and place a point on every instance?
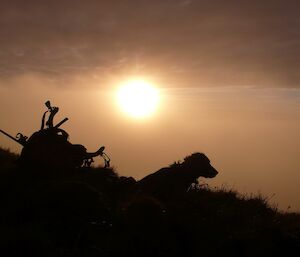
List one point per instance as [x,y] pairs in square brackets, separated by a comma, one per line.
[178,177]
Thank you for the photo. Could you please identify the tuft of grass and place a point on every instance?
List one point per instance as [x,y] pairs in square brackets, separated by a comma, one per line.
[7,158]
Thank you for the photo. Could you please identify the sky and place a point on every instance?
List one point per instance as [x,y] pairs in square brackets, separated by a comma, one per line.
[227,72]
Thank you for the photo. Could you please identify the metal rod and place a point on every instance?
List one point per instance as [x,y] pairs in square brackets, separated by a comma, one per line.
[61,122]
[11,137]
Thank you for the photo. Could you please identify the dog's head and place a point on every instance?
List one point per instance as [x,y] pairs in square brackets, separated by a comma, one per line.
[199,164]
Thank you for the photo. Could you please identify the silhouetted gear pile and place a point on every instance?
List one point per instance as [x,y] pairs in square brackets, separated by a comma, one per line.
[49,147]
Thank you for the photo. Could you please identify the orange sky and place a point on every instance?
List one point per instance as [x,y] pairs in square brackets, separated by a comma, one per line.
[228,72]
[251,135]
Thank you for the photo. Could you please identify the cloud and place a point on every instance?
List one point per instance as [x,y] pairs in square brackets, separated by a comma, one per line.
[182,42]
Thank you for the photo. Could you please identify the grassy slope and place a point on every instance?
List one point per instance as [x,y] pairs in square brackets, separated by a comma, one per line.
[97,213]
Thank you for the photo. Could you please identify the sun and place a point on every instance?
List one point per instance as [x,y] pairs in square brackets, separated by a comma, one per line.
[138,98]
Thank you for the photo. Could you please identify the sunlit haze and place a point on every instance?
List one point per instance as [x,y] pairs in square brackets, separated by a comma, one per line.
[138,98]
[154,81]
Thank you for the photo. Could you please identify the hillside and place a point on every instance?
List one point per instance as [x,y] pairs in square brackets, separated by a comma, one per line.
[96,212]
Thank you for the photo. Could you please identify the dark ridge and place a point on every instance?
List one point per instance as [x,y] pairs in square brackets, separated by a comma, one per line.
[7,158]
[95,212]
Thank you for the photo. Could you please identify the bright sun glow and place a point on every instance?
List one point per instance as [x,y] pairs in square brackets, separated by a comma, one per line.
[138,98]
